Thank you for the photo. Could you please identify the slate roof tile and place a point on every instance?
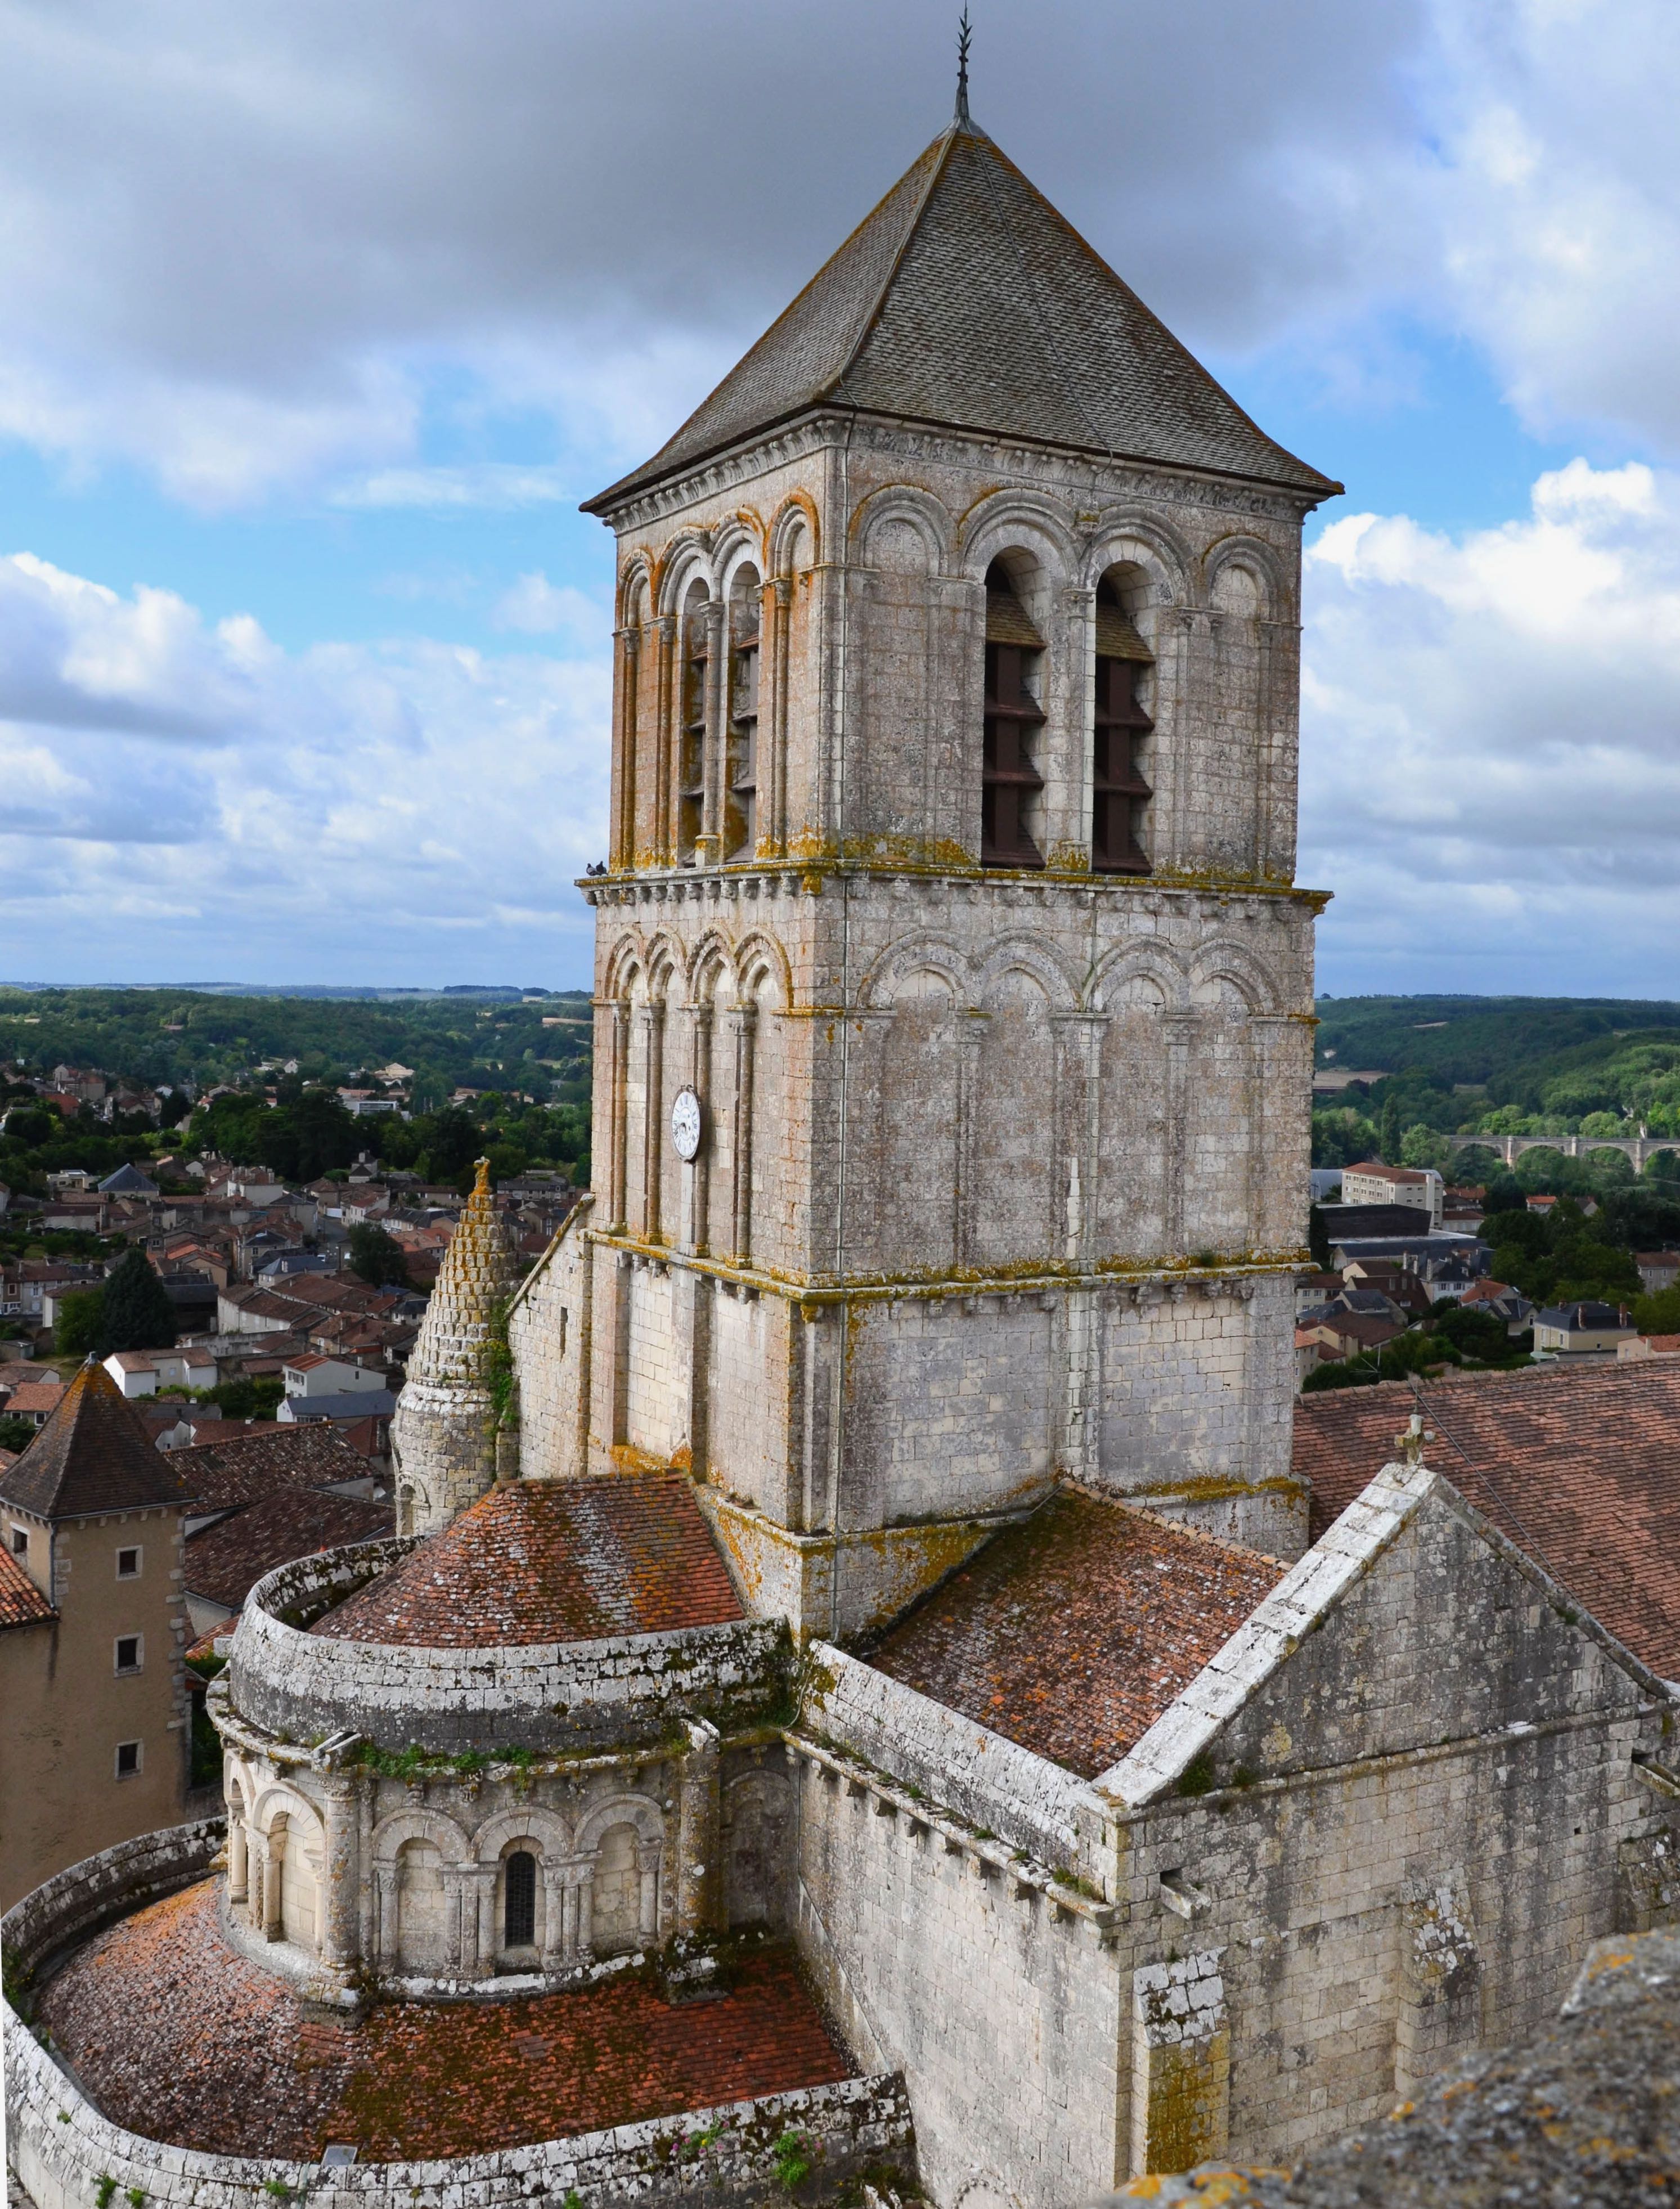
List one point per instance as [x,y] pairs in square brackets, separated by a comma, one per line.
[1582,1469]
[965,299]
[1071,1635]
[551,1560]
[94,1454]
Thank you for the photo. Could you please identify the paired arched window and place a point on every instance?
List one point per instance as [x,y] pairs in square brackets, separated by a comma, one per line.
[1013,768]
[1120,731]
[691,732]
[740,824]
[519,1904]
[1011,779]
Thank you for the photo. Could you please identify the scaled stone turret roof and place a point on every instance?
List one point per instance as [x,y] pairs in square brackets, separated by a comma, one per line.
[94,1454]
[480,1271]
[965,300]
[551,1560]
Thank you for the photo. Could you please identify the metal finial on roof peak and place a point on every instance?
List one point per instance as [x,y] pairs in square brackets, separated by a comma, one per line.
[964,39]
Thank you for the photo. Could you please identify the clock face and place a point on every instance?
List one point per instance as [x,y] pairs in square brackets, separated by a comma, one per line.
[685,1123]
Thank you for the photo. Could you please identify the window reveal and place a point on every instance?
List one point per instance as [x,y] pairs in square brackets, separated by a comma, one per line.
[1119,793]
[691,743]
[520,1903]
[741,794]
[1009,777]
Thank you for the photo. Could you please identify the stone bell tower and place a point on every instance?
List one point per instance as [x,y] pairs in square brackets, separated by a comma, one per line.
[954,995]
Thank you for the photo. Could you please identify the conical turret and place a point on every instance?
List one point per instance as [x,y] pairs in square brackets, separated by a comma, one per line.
[453,1416]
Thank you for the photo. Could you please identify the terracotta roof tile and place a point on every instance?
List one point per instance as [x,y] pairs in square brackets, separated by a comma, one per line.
[551,1560]
[224,1562]
[1070,1635]
[1581,1468]
[21,1603]
[251,1462]
[179,2038]
[94,1454]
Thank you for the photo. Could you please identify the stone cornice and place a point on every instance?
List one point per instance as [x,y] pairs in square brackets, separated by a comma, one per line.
[1109,479]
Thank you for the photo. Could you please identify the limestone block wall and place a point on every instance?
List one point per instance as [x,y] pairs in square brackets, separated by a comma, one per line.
[341,1871]
[857,554]
[307,1686]
[549,1329]
[1001,2003]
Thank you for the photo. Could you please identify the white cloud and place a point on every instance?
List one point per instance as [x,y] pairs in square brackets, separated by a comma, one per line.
[539,608]
[491,484]
[1492,742]
[184,795]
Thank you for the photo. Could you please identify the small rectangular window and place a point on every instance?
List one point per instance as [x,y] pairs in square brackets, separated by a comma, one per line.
[20,1541]
[128,1564]
[128,1652]
[128,1759]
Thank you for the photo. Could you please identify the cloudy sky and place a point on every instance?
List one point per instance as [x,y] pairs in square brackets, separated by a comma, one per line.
[317,320]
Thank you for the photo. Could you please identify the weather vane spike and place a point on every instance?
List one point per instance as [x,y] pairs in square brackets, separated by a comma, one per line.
[965,35]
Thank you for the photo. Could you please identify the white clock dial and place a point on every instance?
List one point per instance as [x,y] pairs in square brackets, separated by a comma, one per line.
[685,1123]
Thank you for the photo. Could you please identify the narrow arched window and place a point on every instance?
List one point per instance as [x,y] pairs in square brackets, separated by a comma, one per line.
[1009,777]
[691,738]
[519,1908]
[741,779]
[1119,793]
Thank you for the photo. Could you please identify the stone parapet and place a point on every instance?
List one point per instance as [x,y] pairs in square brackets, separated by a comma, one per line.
[302,1687]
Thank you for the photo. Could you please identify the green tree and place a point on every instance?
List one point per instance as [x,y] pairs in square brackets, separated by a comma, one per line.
[1389,1132]
[1657,1315]
[1423,1147]
[79,1328]
[379,1258]
[15,1435]
[138,1315]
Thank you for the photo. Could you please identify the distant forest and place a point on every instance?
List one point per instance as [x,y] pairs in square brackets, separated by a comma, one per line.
[529,1057]
[1520,1066]
[468,1039]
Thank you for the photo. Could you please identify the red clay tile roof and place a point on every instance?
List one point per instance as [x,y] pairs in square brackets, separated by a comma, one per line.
[93,1454]
[224,1562]
[21,1603]
[177,2037]
[551,1560]
[256,1462]
[30,1398]
[1580,1468]
[1072,1635]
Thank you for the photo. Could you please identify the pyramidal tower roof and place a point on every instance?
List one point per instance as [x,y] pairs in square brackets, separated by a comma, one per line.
[967,301]
[480,1272]
[93,1454]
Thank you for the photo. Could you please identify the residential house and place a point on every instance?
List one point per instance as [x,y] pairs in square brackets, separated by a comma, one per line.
[35,1399]
[1350,1335]
[1658,1270]
[313,1377]
[143,1372]
[1633,1347]
[1503,1301]
[93,1700]
[128,1181]
[1581,1330]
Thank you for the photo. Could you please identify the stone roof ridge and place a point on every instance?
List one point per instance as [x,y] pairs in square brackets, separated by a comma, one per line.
[1273,1630]
[965,299]
[93,1454]
[475,1283]
[1094,1493]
